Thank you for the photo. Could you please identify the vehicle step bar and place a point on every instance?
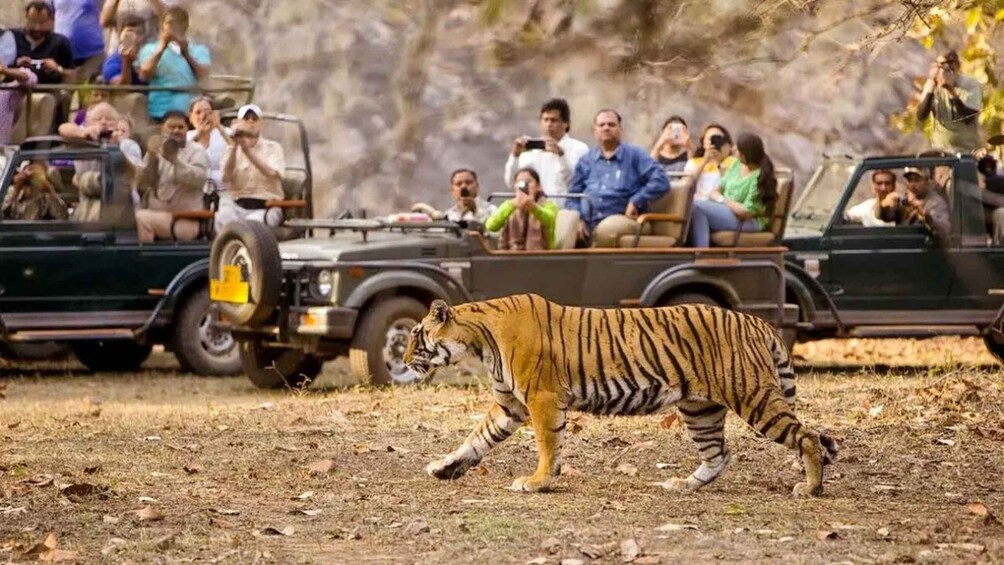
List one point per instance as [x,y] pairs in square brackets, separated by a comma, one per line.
[914,331]
[72,335]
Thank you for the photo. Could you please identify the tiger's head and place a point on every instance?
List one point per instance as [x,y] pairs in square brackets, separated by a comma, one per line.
[437,341]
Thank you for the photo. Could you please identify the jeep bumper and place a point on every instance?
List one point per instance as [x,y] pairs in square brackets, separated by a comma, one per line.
[324,321]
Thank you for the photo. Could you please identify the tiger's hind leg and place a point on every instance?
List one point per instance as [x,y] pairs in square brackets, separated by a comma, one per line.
[549,417]
[705,422]
[770,414]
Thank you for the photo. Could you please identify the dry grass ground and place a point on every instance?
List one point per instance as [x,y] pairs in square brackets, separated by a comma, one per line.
[164,467]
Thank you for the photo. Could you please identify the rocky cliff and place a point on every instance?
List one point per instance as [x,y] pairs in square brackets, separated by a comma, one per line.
[398,93]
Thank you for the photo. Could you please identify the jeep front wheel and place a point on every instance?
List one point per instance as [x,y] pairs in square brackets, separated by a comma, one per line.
[199,346]
[376,354]
[995,343]
[114,355]
[275,367]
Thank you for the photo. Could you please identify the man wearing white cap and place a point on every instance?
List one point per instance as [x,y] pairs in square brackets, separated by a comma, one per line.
[252,173]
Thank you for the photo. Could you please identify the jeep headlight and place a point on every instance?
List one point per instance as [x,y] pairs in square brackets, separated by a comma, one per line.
[325,283]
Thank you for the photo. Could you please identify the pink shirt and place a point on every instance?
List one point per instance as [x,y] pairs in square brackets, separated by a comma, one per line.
[10,103]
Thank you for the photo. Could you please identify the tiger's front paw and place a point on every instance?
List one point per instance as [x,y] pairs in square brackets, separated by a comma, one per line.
[530,484]
[448,468]
[803,489]
[680,485]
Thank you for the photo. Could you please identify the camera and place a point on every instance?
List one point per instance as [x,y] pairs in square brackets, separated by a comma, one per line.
[987,166]
[465,192]
[717,141]
[36,64]
[242,133]
[105,135]
[535,143]
[523,187]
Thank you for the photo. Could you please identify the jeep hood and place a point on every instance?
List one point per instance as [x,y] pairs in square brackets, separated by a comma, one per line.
[377,246]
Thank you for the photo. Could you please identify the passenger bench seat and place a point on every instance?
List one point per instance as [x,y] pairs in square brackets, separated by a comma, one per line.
[775,230]
[668,219]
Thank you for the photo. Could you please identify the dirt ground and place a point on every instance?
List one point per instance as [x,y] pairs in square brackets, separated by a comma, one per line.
[162,467]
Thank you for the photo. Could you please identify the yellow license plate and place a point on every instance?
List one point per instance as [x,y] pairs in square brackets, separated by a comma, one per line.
[231,288]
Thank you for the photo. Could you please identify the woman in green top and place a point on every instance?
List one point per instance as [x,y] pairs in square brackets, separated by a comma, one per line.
[532,225]
[745,198]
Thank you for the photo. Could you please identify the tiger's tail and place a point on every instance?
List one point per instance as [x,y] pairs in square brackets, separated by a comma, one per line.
[785,372]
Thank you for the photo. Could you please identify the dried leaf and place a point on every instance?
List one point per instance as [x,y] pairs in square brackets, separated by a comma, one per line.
[394,448]
[225,511]
[222,428]
[627,469]
[981,510]
[970,547]
[629,550]
[572,561]
[149,514]
[192,468]
[147,500]
[110,519]
[264,406]
[114,544]
[39,480]
[676,527]
[416,528]
[58,555]
[537,561]
[550,545]
[669,421]
[876,411]
[482,469]
[165,542]
[79,490]
[569,471]
[321,467]
[304,495]
[48,544]
[151,438]
[271,531]
[362,448]
[946,441]
[91,470]
[12,425]
[827,535]
[882,532]
[306,512]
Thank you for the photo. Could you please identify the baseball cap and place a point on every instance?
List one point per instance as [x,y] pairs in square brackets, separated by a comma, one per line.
[907,171]
[243,111]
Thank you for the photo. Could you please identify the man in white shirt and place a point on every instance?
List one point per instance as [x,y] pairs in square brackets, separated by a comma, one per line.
[869,212]
[554,155]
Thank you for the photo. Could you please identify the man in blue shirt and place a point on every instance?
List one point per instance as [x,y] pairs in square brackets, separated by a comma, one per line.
[620,181]
[173,61]
[79,21]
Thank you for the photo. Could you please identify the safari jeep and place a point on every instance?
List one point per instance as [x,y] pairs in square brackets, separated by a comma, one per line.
[92,285]
[358,286]
[893,281]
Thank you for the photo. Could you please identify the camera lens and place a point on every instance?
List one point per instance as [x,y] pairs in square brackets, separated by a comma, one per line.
[465,192]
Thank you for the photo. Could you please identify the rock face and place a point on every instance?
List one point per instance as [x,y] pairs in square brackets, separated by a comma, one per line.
[398,93]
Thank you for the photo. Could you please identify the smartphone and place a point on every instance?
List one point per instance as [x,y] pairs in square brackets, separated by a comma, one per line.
[523,187]
[535,143]
[677,129]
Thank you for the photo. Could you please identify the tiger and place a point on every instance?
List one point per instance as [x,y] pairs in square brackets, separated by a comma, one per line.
[545,359]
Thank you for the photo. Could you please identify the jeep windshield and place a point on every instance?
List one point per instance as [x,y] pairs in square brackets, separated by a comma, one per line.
[822,193]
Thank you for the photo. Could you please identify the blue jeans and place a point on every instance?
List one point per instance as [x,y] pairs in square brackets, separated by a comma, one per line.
[711,216]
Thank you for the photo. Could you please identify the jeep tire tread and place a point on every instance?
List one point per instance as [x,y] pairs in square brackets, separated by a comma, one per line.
[366,359]
[190,340]
[277,367]
[112,355]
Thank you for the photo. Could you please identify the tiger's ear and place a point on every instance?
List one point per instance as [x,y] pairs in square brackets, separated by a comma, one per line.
[440,311]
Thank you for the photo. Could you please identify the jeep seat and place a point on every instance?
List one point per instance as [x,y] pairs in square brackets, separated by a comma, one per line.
[667,221]
[293,205]
[775,229]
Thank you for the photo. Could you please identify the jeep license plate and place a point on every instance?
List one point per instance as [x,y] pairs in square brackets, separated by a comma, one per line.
[231,288]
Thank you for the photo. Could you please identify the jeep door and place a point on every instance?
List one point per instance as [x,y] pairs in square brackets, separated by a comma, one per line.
[62,273]
[882,274]
[555,275]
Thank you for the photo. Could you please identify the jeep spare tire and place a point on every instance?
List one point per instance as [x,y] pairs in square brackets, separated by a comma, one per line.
[252,248]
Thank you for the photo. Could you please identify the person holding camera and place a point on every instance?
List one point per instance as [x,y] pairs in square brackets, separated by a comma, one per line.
[208,131]
[553,155]
[619,180]
[48,54]
[31,196]
[672,149]
[711,159]
[869,212]
[745,198]
[172,61]
[528,220]
[10,98]
[252,173]
[921,204]
[954,101]
[101,121]
[170,180]
[467,206]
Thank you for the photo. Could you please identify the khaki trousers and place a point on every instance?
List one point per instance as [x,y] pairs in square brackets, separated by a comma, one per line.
[610,229]
[156,224]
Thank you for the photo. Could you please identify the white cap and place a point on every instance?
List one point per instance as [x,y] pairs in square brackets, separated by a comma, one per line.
[243,111]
